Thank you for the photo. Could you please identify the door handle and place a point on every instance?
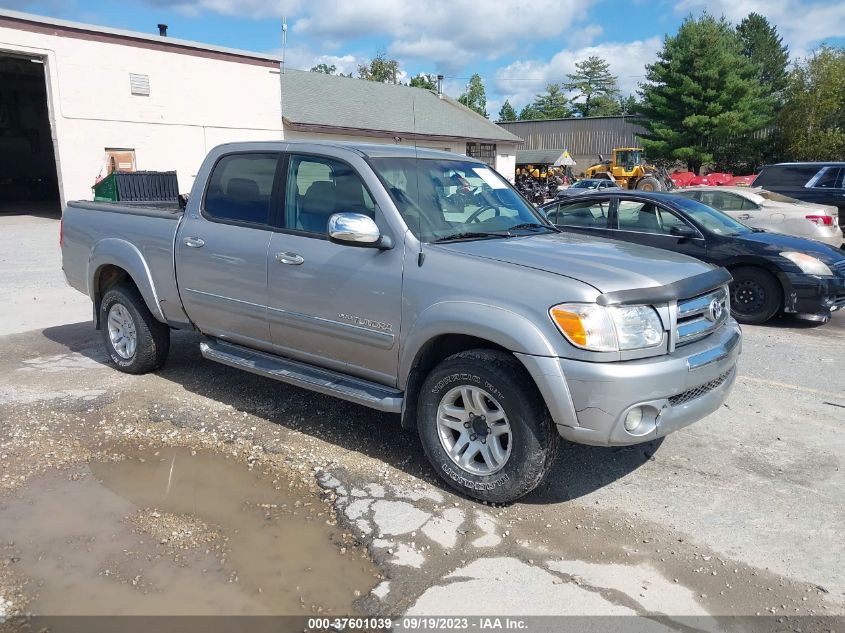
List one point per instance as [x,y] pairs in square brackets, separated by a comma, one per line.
[193,242]
[744,216]
[290,258]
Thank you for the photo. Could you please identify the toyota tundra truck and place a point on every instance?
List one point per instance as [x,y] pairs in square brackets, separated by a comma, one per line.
[415,282]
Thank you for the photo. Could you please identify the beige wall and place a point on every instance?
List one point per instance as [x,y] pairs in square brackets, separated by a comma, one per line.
[195,103]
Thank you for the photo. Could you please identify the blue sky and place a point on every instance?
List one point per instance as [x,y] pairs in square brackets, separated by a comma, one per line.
[516,46]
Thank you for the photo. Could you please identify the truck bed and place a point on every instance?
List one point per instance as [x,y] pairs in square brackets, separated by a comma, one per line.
[138,237]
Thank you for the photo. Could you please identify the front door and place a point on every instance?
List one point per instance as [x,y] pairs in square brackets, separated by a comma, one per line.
[330,304]
[650,224]
[589,215]
[221,249]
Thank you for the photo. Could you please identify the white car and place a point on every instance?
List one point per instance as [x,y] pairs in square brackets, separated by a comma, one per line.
[772,211]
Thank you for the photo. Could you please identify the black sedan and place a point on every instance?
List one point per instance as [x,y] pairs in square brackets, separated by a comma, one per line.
[772,273]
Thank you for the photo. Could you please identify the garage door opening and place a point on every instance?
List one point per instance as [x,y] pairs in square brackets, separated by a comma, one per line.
[28,180]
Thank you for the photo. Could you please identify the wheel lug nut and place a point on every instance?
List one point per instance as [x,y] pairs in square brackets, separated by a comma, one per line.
[473,437]
[466,425]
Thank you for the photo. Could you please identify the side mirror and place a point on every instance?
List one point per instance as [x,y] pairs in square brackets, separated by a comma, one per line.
[357,229]
[683,231]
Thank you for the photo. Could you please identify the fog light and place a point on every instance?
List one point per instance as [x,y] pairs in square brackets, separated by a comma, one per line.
[633,419]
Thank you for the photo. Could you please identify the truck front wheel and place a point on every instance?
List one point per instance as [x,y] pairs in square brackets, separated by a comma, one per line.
[135,341]
[484,426]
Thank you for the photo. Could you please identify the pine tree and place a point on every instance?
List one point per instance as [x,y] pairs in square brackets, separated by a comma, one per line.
[765,48]
[529,112]
[475,97]
[702,100]
[592,80]
[507,113]
[553,104]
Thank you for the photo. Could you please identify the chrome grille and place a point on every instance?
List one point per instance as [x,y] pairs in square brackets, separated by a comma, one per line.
[697,392]
[839,266]
[699,316]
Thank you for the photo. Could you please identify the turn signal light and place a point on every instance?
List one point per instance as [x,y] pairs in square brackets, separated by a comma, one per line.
[570,323]
[821,220]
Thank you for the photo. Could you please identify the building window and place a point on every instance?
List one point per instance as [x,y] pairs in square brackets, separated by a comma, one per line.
[139,85]
[483,151]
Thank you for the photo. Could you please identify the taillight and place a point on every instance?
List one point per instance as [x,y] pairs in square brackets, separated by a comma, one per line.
[821,220]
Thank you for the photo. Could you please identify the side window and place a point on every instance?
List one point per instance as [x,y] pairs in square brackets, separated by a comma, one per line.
[584,213]
[240,188]
[319,187]
[645,217]
[721,200]
[828,178]
[552,212]
[748,205]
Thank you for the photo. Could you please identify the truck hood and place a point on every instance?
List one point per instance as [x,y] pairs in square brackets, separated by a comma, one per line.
[607,265]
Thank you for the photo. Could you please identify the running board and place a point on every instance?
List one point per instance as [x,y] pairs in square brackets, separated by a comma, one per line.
[363,392]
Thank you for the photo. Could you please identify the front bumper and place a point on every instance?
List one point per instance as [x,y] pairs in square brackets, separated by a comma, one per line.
[811,295]
[590,401]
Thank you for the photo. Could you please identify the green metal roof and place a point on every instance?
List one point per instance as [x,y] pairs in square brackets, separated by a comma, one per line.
[337,104]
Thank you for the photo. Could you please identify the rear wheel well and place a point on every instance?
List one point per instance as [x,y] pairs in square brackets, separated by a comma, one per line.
[428,357]
[107,277]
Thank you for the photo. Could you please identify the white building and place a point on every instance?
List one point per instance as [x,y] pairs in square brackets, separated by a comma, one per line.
[330,107]
[73,95]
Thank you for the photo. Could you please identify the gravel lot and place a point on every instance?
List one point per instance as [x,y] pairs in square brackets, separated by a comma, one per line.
[740,514]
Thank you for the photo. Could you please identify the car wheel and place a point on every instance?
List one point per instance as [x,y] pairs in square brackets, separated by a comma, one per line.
[484,426]
[135,341]
[755,295]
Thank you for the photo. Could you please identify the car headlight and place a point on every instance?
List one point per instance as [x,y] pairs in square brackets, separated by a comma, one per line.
[608,329]
[808,263]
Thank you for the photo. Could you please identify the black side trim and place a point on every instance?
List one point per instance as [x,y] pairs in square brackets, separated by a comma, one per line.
[682,289]
[167,211]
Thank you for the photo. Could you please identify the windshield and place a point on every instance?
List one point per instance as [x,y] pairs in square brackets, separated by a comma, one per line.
[453,199]
[711,219]
[776,197]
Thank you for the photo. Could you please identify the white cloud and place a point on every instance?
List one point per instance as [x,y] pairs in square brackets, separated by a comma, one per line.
[521,80]
[802,23]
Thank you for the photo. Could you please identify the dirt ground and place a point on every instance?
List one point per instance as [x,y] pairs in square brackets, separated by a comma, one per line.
[200,489]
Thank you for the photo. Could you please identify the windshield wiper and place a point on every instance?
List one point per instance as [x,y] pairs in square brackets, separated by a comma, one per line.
[469,235]
[531,225]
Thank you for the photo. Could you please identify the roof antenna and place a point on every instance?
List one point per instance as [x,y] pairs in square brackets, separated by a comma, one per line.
[421,254]
[284,41]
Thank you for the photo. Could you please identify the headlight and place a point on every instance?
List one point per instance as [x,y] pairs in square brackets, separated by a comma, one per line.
[808,264]
[608,329]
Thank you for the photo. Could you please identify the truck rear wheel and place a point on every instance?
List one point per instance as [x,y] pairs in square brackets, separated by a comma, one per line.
[485,427]
[135,341]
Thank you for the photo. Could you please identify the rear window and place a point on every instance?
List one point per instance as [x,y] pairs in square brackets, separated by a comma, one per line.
[240,187]
[786,175]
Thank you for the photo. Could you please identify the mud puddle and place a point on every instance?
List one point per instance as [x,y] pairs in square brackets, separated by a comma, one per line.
[174,532]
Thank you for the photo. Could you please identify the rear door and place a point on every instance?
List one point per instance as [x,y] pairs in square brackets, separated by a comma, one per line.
[590,216]
[740,208]
[651,224]
[333,305]
[221,249]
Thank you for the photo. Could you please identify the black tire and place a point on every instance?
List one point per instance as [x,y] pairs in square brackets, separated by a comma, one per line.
[649,183]
[533,438]
[152,336]
[756,295]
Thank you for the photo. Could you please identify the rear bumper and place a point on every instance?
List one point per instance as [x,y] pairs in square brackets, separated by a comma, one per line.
[811,295]
[590,401]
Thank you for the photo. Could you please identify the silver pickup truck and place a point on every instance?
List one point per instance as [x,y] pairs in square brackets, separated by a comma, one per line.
[416,282]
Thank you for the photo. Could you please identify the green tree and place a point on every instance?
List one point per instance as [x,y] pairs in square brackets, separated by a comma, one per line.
[629,105]
[326,69]
[701,98]
[475,97]
[761,43]
[593,82]
[380,69]
[812,122]
[424,80]
[529,112]
[506,112]
[553,104]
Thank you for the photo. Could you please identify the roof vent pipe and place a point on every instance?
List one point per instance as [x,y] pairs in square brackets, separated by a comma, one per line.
[440,86]
[162,30]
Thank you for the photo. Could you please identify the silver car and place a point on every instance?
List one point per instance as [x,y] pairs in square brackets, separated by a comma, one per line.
[772,211]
